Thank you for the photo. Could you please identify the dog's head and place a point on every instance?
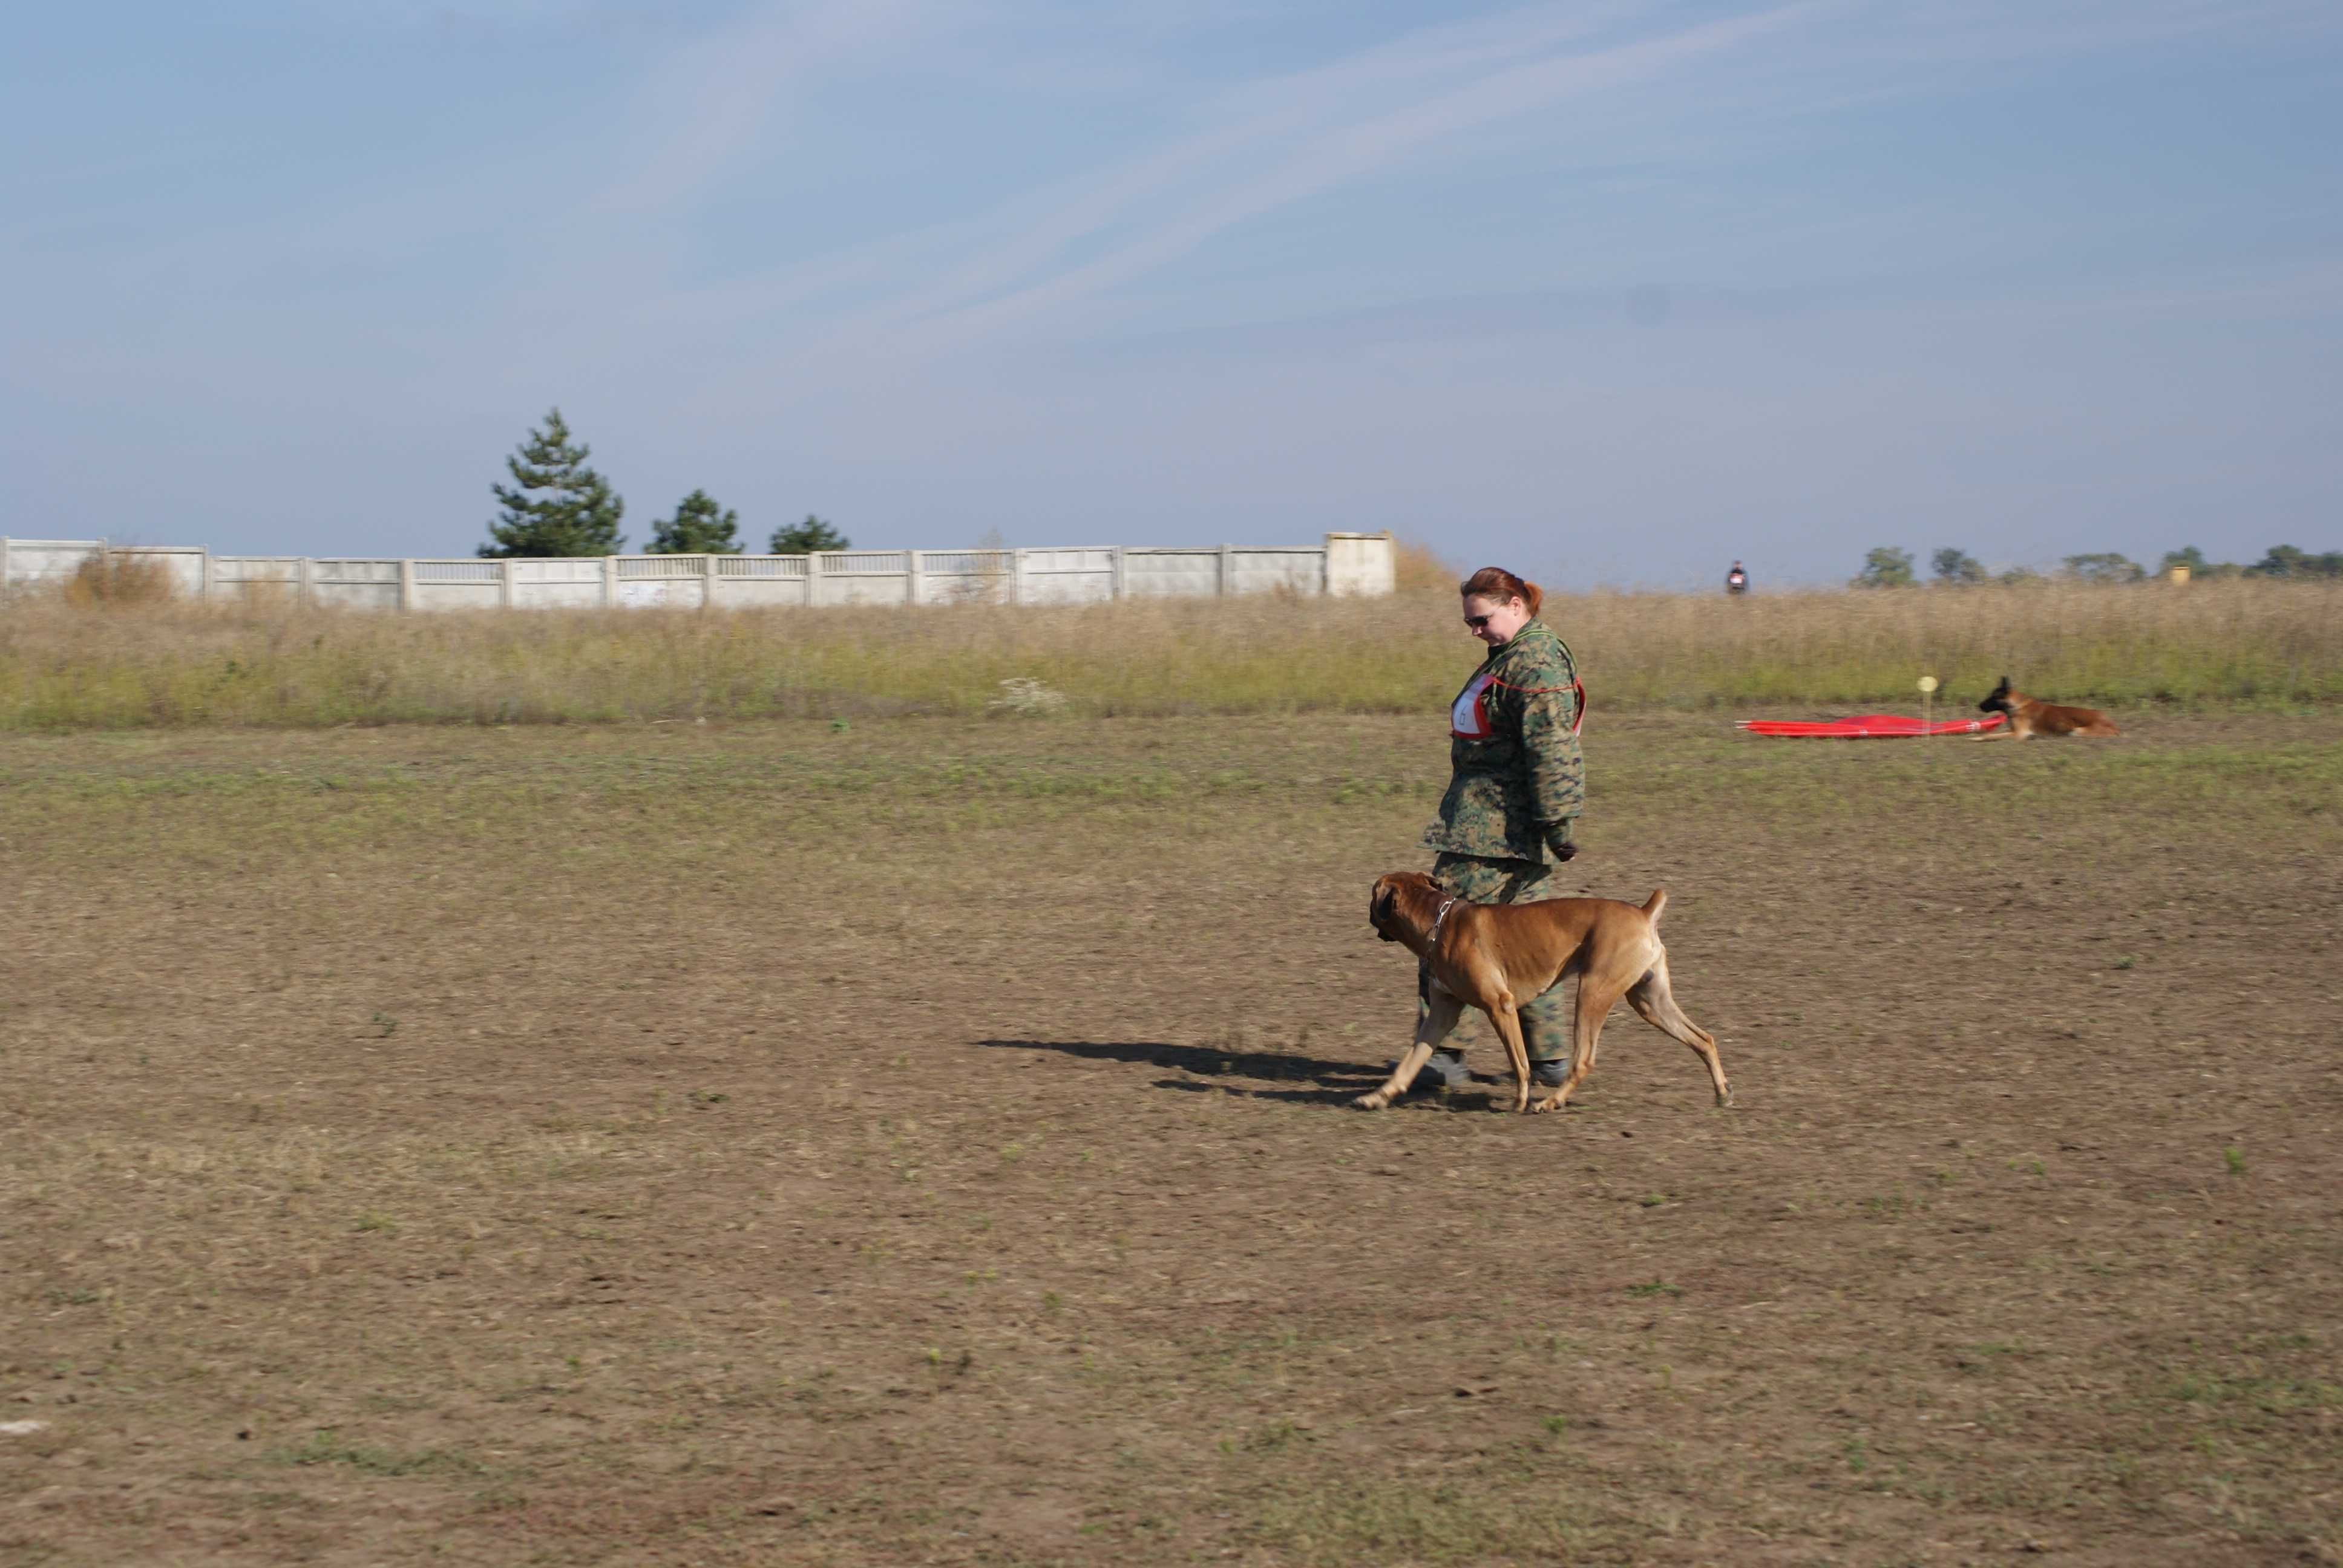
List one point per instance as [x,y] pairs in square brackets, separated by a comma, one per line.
[1392,891]
[1997,700]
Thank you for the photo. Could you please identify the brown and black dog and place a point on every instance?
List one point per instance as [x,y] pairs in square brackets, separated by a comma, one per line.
[2028,717]
[1496,957]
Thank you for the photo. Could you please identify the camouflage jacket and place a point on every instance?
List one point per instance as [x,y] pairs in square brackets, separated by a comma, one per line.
[1514,752]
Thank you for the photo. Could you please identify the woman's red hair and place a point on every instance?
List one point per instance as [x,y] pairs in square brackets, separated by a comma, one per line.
[1497,583]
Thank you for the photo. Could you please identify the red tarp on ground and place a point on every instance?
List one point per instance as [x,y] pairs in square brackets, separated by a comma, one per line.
[1866,727]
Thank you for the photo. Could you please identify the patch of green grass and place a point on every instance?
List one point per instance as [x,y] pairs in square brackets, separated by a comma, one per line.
[1474,1518]
[2272,1394]
[1275,1436]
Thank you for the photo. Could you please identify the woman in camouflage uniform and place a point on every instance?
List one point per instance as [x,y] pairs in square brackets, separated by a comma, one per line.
[1516,787]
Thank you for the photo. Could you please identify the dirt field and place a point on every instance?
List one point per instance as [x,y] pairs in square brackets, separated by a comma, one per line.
[925,1142]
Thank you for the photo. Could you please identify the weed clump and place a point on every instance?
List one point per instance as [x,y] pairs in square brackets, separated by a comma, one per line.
[111,580]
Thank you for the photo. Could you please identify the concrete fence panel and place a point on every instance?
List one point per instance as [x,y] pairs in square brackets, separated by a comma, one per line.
[748,581]
[560,584]
[186,565]
[1171,574]
[1274,571]
[862,577]
[457,584]
[1086,573]
[259,579]
[44,563]
[1360,565]
[967,576]
[1082,576]
[355,584]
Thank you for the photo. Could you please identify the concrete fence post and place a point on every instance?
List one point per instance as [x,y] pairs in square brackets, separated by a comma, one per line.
[707,581]
[505,583]
[915,590]
[1119,587]
[305,578]
[1228,570]
[813,579]
[405,584]
[1017,576]
[3,563]
[609,581]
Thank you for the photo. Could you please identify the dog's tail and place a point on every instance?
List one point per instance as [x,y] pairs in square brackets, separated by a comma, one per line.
[1654,906]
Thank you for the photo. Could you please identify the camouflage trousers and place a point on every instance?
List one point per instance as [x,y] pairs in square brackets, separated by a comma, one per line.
[1477,880]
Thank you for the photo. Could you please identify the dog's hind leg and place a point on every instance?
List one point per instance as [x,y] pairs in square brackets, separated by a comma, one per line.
[1651,1000]
[1441,1013]
[1593,1004]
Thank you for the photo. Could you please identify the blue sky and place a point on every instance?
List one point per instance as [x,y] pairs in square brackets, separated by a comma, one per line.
[1608,292]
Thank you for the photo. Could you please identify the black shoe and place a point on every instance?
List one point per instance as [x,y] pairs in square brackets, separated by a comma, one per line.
[1444,1071]
[1550,1073]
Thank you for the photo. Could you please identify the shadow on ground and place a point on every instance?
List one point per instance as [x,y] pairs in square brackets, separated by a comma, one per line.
[1336,1082]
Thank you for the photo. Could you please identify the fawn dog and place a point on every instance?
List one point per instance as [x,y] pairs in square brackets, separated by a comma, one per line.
[2028,717]
[1496,957]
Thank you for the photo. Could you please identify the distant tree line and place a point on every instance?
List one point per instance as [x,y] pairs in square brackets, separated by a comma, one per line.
[1887,568]
[558,506]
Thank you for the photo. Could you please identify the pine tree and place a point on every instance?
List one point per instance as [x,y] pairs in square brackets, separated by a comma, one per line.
[804,539]
[699,527]
[555,505]
[1957,568]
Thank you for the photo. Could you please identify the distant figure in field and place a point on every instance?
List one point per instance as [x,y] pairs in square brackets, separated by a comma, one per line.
[1736,581]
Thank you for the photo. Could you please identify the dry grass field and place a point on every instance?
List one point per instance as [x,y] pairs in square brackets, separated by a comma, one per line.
[143,665]
[924,1141]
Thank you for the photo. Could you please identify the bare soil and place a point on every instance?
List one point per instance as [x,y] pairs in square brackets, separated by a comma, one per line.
[927,1143]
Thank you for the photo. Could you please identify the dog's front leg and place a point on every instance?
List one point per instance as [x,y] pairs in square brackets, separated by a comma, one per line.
[1439,1021]
[1507,1018]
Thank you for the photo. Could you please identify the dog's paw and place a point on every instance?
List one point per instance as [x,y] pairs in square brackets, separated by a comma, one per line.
[1374,1102]
[1542,1106]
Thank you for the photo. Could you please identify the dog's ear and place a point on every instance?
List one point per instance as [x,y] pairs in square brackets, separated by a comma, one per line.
[1379,904]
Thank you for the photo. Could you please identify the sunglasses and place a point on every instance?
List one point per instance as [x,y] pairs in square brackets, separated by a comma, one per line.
[1476,621]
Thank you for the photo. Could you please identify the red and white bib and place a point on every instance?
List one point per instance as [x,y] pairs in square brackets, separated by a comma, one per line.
[1468,717]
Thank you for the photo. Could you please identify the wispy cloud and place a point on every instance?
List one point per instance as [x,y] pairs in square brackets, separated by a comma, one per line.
[712,100]
[1355,145]
[1261,147]
[1271,144]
